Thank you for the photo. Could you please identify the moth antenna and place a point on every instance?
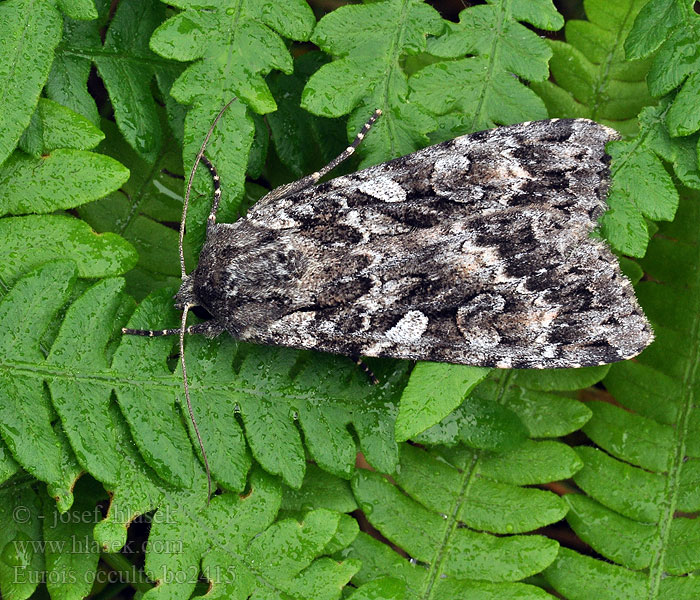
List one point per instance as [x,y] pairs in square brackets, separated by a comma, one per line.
[183,330]
[190,179]
[305,182]
[211,219]
[183,274]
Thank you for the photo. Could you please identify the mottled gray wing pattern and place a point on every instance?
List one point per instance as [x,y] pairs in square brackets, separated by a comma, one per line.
[475,251]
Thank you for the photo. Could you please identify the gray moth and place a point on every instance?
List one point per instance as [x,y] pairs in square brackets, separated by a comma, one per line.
[475,251]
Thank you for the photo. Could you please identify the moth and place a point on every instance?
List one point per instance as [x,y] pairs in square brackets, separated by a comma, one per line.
[476,251]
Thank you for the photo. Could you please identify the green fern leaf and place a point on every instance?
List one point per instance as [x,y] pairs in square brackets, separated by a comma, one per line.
[426,535]
[670,29]
[8,465]
[533,463]
[27,242]
[23,72]
[26,415]
[235,44]
[54,126]
[480,490]
[156,424]
[479,423]
[641,482]
[480,91]
[80,385]
[304,142]
[433,391]
[325,396]
[593,78]
[126,66]
[244,551]
[71,551]
[378,559]
[60,177]
[67,83]
[491,505]
[508,407]
[138,210]
[79,9]
[383,588]
[62,173]
[641,187]
[369,43]
[433,514]
[319,489]
[138,489]
[21,557]
[42,186]
[125,63]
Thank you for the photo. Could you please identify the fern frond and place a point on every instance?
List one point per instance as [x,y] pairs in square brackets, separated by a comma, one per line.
[670,30]
[55,126]
[70,549]
[594,79]
[127,66]
[27,242]
[434,390]
[641,186]
[325,396]
[509,406]
[469,501]
[369,43]
[26,415]
[20,557]
[59,172]
[244,551]
[8,465]
[23,73]
[633,200]
[234,45]
[139,210]
[640,484]
[480,91]
[319,489]
[444,516]
[304,142]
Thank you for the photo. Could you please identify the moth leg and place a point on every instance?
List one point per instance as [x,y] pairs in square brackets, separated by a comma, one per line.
[309,180]
[372,377]
[207,328]
[150,332]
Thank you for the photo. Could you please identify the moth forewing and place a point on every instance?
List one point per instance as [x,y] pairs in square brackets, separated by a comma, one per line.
[475,251]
